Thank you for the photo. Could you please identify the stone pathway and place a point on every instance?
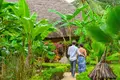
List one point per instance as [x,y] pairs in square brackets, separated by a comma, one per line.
[67,76]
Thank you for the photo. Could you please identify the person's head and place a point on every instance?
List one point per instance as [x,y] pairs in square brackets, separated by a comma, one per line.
[73,42]
[81,45]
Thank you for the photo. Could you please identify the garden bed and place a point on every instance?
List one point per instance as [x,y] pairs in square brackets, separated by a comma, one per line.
[51,71]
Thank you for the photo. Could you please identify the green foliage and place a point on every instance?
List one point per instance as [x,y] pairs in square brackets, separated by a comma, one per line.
[105,3]
[31,27]
[1,1]
[104,33]
[18,31]
[116,70]
[114,57]
[51,72]
[66,18]
[43,50]
[36,77]
[113,20]
[84,75]
[23,10]
[54,65]
[98,49]
[95,32]
[95,52]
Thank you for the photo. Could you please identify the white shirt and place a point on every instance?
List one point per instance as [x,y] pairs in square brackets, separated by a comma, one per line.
[72,52]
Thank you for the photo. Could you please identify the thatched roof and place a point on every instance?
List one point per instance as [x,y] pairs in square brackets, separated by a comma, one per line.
[41,8]
[63,31]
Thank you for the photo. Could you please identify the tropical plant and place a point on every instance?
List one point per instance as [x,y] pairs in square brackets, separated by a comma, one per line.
[18,32]
[105,34]
[68,19]
[31,28]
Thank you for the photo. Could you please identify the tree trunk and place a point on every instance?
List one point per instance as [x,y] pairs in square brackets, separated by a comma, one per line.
[70,31]
[64,41]
[3,70]
[29,53]
[102,70]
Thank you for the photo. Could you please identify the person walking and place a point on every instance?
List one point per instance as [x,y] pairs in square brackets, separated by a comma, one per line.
[81,59]
[72,52]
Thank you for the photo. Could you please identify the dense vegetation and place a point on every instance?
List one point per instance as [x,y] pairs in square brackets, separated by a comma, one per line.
[24,51]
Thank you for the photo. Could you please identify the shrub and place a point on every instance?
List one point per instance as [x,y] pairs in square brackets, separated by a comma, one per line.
[82,76]
[53,73]
[36,77]
[116,70]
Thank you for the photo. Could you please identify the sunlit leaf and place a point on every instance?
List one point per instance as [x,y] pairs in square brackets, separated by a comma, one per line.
[23,8]
[60,14]
[77,11]
[33,17]
[96,33]
[113,20]
[1,2]
[28,25]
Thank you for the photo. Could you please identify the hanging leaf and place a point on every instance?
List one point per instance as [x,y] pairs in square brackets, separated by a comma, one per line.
[97,34]
[113,20]
[1,2]
[27,25]
[58,13]
[113,57]
[24,9]
[77,11]
[33,17]
[82,39]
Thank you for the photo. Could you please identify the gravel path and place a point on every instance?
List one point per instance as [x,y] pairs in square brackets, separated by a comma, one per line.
[67,76]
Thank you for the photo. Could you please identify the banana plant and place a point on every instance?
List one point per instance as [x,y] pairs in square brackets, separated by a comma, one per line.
[31,27]
[109,31]
[105,34]
[68,19]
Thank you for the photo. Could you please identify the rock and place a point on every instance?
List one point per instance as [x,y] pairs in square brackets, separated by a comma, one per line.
[64,60]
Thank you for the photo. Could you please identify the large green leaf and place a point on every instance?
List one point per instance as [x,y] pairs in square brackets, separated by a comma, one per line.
[33,17]
[24,9]
[40,30]
[97,34]
[113,20]
[27,25]
[16,11]
[98,48]
[113,57]
[60,14]
[1,2]
[77,11]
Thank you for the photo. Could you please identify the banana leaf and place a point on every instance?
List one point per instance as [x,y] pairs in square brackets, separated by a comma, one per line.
[115,56]
[1,2]
[69,16]
[77,11]
[33,17]
[98,48]
[94,31]
[113,20]
[58,13]
[27,25]
[24,9]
